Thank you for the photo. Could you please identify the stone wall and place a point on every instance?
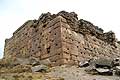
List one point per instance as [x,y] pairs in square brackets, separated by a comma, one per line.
[61,38]
[40,41]
[78,47]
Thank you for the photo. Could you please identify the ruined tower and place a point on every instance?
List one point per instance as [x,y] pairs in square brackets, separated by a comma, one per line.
[61,38]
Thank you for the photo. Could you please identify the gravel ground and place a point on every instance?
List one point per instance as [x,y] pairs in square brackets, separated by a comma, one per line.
[75,73]
[63,72]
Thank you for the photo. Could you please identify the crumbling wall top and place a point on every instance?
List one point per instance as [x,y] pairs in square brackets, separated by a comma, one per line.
[80,26]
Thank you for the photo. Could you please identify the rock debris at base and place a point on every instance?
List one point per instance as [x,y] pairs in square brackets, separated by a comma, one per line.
[102,66]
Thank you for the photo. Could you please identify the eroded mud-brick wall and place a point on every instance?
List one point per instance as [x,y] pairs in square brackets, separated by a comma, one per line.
[61,38]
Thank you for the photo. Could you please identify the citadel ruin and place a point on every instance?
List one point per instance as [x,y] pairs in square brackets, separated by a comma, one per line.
[61,38]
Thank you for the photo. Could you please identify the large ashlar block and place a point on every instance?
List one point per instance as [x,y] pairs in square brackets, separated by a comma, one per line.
[56,57]
[66,55]
[60,62]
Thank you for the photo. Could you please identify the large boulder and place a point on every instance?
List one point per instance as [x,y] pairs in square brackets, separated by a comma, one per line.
[103,71]
[98,71]
[39,68]
[102,63]
[103,66]
[117,70]
[84,63]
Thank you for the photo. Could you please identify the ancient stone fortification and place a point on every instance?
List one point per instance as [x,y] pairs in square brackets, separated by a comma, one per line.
[61,38]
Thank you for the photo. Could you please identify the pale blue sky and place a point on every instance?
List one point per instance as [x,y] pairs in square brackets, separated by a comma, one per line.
[13,13]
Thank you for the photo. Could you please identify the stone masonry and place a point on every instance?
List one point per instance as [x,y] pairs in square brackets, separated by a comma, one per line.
[61,38]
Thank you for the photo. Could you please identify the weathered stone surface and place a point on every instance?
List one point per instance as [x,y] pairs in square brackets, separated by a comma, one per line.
[61,38]
[22,61]
[116,62]
[71,19]
[103,66]
[91,70]
[102,71]
[108,37]
[88,28]
[39,68]
[102,62]
[83,64]
[34,61]
[45,62]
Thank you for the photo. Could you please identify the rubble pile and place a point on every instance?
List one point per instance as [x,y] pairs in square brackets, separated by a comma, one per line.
[102,66]
[80,26]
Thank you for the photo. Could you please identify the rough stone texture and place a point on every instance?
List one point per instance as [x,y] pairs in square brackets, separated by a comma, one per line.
[39,68]
[61,38]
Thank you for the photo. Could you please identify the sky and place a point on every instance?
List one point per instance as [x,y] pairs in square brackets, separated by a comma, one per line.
[13,13]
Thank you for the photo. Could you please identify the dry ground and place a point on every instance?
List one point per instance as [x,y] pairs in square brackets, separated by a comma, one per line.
[63,72]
